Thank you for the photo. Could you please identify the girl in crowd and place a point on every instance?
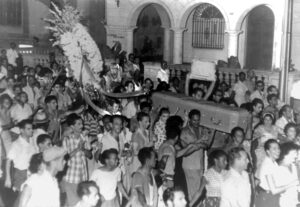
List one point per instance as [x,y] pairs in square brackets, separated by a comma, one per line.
[287,175]
[141,138]
[160,127]
[212,180]
[108,179]
[290,132]
[128,105]
[267,130]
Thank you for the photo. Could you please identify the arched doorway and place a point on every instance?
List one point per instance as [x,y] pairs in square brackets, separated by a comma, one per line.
[149,37]
[259,27]
[205,37]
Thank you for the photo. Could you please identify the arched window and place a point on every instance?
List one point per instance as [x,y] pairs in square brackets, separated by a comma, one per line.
[11,13]
[208,27]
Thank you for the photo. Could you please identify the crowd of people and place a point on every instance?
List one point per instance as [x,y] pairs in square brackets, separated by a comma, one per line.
[57,150]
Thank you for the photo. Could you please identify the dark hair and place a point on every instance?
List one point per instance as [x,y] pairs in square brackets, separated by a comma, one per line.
[35,162]
[42,138]
[169,193]
[72,118]
[242,73]
[172,133]
[194,112]
[288,126]
[22,124]
[269,89]
[285,149]
[216,154]
[235,153]
[270,96]
[174,121]
[128,82]
[107,116]
[141,115]
[235,129]
[145,104]
[271,115]
[5,96]
[284,109]
[163,110]
[196,90]
[260,81]
[145,154]
[269,142]
[83,188]
[257,101]
[148,79]
[106,154]
[50,98]
[117,117]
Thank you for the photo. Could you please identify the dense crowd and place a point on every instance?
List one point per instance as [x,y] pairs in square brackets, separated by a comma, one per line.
[57,150]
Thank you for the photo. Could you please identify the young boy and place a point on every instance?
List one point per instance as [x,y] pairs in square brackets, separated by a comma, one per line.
[43,142]
[20,154]
[164,73]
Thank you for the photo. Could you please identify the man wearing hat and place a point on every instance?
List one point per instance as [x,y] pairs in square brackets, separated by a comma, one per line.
[41,189]
[40,124]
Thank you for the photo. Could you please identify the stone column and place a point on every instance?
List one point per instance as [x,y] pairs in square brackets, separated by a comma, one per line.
[129,39]
[233,40]
[177,47]
[167,46]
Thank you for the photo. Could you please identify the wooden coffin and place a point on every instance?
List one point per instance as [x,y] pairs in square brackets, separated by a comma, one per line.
[216,116]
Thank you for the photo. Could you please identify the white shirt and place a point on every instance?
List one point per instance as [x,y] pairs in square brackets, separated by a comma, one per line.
[240,89]
[163,75]
[295,90]
[235,190]
[281,123]
[268,168]
[289,198]
[44,190]
[108,142]
[33,95]
[257,94]
[12,56]
[8,92]
[107,182]
[19,113]
[3,71]
[20,153]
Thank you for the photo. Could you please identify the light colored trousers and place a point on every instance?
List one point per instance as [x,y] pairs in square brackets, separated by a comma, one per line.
[193,180]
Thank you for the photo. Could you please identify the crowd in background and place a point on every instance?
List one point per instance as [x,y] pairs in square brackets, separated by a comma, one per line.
[57,150]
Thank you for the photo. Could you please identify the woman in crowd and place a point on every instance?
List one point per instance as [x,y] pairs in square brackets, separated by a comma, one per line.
[287,175]
[160,127]
[108,179]
[267,130]
[212,180]
[41,188]
[141,138]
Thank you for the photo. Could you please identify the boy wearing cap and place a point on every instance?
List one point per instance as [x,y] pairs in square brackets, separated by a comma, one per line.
[20,154]
[41,189]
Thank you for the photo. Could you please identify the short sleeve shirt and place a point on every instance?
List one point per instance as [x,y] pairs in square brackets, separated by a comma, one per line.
[107,182]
